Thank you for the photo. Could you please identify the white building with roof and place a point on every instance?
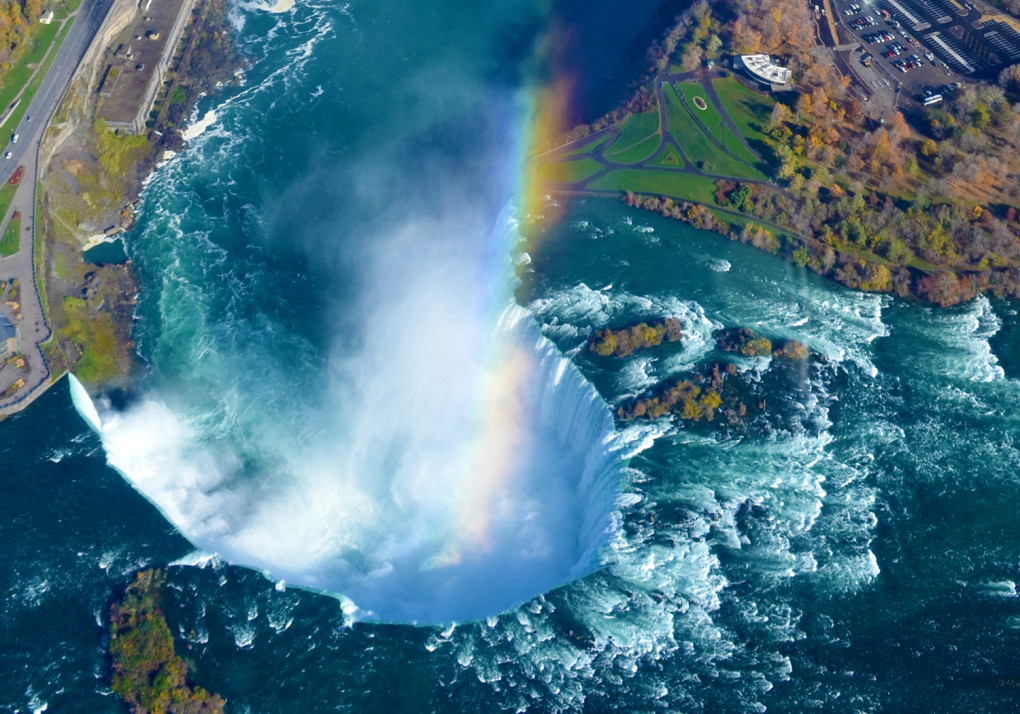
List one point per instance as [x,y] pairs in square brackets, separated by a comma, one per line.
[764,70]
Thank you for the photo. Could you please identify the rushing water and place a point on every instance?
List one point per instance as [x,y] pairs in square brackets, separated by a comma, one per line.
[349,390]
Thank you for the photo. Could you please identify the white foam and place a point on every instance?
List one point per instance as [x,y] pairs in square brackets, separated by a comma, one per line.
[196,129]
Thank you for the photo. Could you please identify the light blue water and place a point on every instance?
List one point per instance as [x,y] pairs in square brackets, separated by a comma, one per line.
[330,259]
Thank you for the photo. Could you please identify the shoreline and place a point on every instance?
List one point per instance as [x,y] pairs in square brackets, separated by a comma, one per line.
[95,179]
[697,144]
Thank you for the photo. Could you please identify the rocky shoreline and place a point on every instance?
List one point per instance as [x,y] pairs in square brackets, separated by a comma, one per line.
[90,187]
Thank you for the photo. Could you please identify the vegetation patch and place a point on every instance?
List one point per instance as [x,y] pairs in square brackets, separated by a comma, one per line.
[641,151]
[721,389]
[749,110]
[570,171]
[587,147]
[633,130]
[624,341]
[658,182]
[668,157]
[147,673]
[11,238]
[713,122]
[699,146]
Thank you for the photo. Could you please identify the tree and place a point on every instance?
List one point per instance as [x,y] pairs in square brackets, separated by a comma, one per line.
[1009,78]
[692,58]
[980,117]
[928,147]
[780,113]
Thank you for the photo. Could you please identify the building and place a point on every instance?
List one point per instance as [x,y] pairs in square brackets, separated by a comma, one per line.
[763,70]
[46,18]
[141,62]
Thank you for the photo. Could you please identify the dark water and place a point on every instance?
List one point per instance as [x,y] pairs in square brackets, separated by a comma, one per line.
[860,556]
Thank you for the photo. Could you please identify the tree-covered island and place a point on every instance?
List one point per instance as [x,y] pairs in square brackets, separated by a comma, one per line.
[146,672]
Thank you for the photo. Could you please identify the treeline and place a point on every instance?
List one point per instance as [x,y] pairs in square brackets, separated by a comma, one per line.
[17,21]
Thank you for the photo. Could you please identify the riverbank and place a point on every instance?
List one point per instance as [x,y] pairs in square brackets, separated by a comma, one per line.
[876,199]
[90,186]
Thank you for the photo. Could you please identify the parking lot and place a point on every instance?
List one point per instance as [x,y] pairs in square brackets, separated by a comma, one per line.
[918,45]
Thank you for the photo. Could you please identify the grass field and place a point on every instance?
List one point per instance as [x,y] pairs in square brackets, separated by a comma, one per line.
[638,152]
[633,130]
[661,183]
[749,110]
[712,120]
[698,146]
[669,156]
[587,147]
[570,171]
[6,196]
[17,76]
[9,240]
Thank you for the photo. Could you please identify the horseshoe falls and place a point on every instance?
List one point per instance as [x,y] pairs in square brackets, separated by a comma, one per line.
[369,445]
[345,394]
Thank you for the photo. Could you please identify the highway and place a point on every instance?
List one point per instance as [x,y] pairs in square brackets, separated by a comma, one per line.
[32,327]
[86,22]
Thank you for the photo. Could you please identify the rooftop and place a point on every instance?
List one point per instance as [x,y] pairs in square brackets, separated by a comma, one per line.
[763,68]
[137,59]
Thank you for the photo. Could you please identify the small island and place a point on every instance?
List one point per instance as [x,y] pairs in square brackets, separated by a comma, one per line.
[720,389]
[626,340]
[147,673]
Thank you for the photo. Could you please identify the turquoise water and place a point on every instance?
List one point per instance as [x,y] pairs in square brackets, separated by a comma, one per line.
[108,252]
[327,309]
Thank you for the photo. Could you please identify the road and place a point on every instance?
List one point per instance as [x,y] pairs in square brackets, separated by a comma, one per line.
[33,328]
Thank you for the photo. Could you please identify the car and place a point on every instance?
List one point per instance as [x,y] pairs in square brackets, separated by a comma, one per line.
[28,118]
[8,155]
[14,139]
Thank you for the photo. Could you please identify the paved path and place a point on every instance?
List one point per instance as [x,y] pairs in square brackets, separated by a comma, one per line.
[704,78]
[33,328]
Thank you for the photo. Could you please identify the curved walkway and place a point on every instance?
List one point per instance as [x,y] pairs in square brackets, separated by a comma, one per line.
[608,165]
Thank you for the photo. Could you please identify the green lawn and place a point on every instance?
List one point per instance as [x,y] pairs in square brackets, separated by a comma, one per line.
[713,121]
[660,183]
[9,240]
[639,152]
[15,78]
[697,144]
[669,156]
[587,147]
[15,119]
[749,110]
[633,130]
[6,196]
[569,171]
[64,9]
